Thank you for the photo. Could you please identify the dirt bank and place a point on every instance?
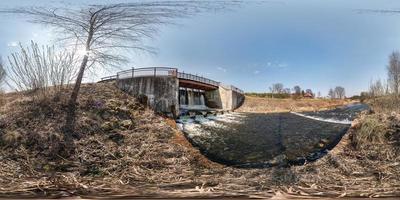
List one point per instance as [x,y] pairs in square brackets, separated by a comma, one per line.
[267,105]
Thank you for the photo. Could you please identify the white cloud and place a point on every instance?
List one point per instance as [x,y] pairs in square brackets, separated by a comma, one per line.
[221,69]
[276,64]
[282,65]
[12,44]
[256,72]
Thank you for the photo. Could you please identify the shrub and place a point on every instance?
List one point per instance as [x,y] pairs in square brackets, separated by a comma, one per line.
[372,131]
[38,71]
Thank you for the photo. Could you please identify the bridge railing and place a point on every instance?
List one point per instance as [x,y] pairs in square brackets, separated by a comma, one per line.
[146,72]
[200,79]
[237,89]
[109,78]
[163,71]
[233,88]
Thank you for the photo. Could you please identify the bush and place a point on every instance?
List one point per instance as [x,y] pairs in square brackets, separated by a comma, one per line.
[2,72]
[39,71]
[378,136]
[372,131]
[385,104]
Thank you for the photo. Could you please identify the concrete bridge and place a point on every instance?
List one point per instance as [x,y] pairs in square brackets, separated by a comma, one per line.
[169,91]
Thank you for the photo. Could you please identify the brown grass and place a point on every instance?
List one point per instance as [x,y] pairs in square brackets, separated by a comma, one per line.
[267,105]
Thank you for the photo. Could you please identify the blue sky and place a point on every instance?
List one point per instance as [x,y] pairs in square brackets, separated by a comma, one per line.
[312,43]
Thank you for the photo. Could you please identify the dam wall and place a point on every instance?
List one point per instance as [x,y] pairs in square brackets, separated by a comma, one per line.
[161,93]
[225,97]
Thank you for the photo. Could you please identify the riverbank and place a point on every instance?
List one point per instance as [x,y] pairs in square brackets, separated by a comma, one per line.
[270,105]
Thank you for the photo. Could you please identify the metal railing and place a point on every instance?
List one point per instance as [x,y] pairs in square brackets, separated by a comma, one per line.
[109,78]
[164,71]
[200,79]
[147,72]
[237,89]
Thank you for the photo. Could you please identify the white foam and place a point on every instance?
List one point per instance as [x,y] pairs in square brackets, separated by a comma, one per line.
[336,121]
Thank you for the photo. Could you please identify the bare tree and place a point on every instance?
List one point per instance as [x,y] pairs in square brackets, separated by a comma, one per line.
[339,92]
[309,91]
[331,94]
[376,89]
[393,70]
[103,30]
[297,90]
[286,91]
[277,88]
[36,69]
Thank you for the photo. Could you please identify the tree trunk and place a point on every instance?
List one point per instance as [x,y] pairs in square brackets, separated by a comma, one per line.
[70,120]
[69,129]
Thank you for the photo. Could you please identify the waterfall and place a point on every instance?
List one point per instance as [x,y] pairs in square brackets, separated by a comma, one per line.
[182,97]
[202,100]
[196,98]
[188,97]
[191,98]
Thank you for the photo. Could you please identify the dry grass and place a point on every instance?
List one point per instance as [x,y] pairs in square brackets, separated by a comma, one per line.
[267,105]
[385,104]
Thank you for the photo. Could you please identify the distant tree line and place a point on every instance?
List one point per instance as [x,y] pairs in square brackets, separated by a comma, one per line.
[337,93]
[278,90]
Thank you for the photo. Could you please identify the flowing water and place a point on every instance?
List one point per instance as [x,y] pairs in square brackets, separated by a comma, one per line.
[262,140]
[191,100]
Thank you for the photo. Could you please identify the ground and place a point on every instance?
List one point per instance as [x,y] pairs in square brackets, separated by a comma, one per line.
[125,149]
[268,105]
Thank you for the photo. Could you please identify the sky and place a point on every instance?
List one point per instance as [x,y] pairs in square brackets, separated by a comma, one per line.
[311,43]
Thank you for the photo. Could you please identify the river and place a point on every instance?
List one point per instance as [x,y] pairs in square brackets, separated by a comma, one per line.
[268,139]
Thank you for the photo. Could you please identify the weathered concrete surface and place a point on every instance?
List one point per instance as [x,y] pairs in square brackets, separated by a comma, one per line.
[224,98]
[162,92]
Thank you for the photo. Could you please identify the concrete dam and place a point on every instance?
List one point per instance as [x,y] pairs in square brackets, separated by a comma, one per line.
[166,90]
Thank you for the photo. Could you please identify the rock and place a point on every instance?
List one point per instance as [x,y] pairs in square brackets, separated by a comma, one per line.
[106,126]
[324,141]
[279,160]
[126,123]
